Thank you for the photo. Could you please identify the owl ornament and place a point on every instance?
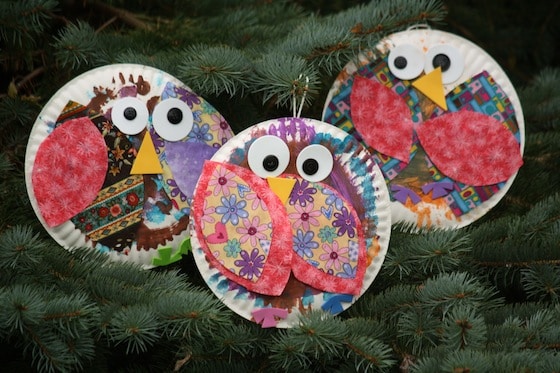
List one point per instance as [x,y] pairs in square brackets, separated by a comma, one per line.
[113,159]
[290,215]
[442,121]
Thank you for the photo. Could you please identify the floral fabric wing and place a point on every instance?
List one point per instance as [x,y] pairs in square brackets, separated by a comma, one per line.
[240,221]
[328,240]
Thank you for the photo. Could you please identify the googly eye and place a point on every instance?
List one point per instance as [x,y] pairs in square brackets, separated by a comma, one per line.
[406,61]
[130,115]
[172,119]
[268,156]
[448,58]
[314,163]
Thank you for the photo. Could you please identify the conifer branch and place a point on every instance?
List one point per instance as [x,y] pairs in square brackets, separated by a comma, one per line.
[29,77]
[124,15]
[106,24]
[522,264]
[363,354]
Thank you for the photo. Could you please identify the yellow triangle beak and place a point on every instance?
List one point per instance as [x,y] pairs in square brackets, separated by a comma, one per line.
[282,187]
[147,161]
[432,87]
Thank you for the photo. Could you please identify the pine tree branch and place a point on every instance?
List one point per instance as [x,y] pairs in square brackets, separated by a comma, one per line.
[328,50]
[127,17]
[522,264]
[29,77]
[106,24]
[45,352]
[371,359]
[359,29]
[58,17]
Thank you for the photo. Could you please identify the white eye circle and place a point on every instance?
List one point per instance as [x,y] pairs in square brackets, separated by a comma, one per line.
[314,163]
[172,119]
[130,115]
[448,58]
[268,156]
[406,61]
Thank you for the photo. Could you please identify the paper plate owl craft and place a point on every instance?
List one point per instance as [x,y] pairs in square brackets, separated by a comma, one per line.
[442,121]
[290,215]
[113,159]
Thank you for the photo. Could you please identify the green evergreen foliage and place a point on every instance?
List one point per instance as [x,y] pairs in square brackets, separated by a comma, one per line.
[484,298]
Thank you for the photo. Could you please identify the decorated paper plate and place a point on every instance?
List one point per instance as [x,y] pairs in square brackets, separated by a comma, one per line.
[113,159]
[442,121]
[289,216]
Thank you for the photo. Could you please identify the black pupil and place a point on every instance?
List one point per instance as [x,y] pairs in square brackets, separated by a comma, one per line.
[130,113]
[400,62]
[270,163]
[174,115]
[310,166]
[442,61]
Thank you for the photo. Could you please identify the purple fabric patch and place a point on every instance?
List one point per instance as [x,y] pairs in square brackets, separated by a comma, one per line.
[439,188]
[401,194]
[186,160]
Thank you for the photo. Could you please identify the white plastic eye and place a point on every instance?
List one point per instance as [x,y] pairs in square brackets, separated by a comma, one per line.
[268,156]
[172,119]
[130,115]
[448,58]
[406,61]
[314,163]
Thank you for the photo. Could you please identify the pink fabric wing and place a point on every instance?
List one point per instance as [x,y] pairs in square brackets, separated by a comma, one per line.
[69,170]
[217,186]
[382,118]
[471,147]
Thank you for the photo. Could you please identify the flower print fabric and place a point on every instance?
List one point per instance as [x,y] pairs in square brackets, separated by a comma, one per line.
[302,193]
[252,230]
[231,210]
[304,244]
[324,228]
[250,265]
[334,255]
[344,222]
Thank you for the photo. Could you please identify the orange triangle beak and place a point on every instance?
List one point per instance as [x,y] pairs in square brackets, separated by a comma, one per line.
[147,161]
[432,87]
[282,187]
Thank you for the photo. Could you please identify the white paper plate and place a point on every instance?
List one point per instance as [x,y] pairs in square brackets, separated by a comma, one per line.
[83,89]
[475,61]
[245,302]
